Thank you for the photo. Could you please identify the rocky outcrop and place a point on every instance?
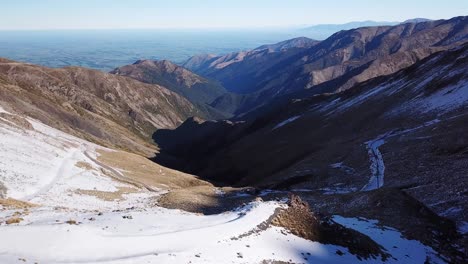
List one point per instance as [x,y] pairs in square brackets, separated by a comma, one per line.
[302,222]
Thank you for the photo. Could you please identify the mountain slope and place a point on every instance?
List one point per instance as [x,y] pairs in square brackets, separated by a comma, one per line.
[451,89]
[198,90]
[344,59]
[236,70]
[402,132]
[104,108]
[267,146]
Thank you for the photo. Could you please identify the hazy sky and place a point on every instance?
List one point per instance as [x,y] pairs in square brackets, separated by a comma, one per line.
[120,14]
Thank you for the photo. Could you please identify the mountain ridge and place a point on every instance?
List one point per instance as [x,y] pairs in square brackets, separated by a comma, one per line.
[369,52]
[97,106]
[197,89]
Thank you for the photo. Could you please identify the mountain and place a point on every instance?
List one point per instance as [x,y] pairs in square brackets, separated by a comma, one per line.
[323,31]
[401,132]
[448,65]
[196,89]
[207,63]
[237,71]
[66,189]
[336,64]
[416,20]
[54,185]
[104,108]
[300,42]
[348,150]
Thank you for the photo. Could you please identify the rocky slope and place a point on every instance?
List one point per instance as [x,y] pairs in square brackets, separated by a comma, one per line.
[446,91]
[104,108]
[237,71]
[403,131]
[196,89]
[339,62]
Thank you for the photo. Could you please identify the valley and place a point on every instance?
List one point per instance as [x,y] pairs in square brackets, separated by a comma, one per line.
[79,196]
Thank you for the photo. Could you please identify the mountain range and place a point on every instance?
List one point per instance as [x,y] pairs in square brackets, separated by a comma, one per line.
[335,64]
[362,133]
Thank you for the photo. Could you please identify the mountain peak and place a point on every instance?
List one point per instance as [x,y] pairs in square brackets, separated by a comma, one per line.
[416,20]
[299,42]
[195,88]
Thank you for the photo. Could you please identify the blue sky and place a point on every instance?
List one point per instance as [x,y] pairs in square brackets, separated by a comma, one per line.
[123,14]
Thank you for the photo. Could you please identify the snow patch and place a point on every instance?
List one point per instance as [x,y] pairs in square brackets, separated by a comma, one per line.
[377,166]
[402,250]
[463,227]
[287,121]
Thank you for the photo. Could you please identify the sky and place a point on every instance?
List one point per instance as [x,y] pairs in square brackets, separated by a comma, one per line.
[127,14]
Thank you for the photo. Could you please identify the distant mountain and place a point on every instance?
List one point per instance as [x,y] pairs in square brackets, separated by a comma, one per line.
[104,108]
[197,89]
[416,20]
[233,68]
[323,31]
[300,42]
[335,64]
[206,63]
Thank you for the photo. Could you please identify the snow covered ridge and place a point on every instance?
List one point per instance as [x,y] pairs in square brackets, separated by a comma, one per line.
[76,212]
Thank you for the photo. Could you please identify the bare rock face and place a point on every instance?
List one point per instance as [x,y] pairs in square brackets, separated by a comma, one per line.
[301,221]
[107,109]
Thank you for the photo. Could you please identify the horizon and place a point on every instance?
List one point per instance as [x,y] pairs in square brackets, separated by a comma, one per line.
[210,15]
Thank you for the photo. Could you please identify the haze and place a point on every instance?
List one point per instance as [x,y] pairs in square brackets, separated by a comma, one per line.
[123,14]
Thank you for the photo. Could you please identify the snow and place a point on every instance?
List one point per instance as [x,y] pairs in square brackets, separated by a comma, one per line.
[336,165]
[377,165]
[337,190]
[40,166]
[463,227]
[342,166]
[364,96]
[445,100]
[402,250]
[158,235]
[287,121]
